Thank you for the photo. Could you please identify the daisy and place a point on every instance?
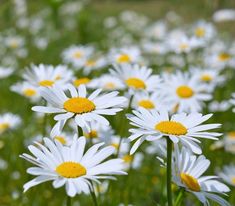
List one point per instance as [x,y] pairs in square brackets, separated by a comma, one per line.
[187,173]
[125,55]
[148,101]
[137,78]
[47,75]
[27,90]
[204,30]
[107,82]
[92,64]
[77,55]
[184,92]
[9,121]
[70,166]
[228,174]
[14,42]
[82,80]
[185,128]
[5,72]
[80,106]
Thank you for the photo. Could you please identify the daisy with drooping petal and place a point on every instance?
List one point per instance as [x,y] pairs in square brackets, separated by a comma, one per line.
[107,82]
[9,121]
[187,173]
[47,75]
[77,55]
[149,101]
[185,128]
[27,90]
[5,72]
[184,92]
[228,174]
[82,107]
[137,78]
[71,166]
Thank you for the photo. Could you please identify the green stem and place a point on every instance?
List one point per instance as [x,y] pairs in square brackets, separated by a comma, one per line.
[93,195]
[179,198]
[169,157]
[69,201]
[80,132]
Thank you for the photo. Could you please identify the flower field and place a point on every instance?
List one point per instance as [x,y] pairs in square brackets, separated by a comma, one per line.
[117,103]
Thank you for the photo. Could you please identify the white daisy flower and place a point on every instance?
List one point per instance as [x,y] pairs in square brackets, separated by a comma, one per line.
[82,108]
[92,64]
[82,80]
[228,174]
[135,77]
[184,92]
[229,142]
[70,166]
[224,15]
[14,42]
[27,90]
[187,173]
[47,75]
[107,82]
[185,128]
[77,55]
[148,101]
[125,55]
[204,30]
[5,72]
[9,121]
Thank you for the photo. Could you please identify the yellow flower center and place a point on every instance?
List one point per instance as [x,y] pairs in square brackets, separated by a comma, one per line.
[46,83]
[190,182]
[61,139]
[91,134]
[115,145]
[206,78]
[136,83]
[128,158]
[147,104]
[109,85]
[200,32]
[123,58]
[224,56]
[231,135]
[171,128]
[183,46]
[14,44]
[90,63]
[29,92]
[79,105]
[80,81]
[58,77]
[71,170]
[184,92]
[77,54]
[4,126]
[233,180]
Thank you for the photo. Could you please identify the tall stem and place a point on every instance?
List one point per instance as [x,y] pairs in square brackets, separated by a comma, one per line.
[93,195]
[179,198]
[169,158]
[69,201]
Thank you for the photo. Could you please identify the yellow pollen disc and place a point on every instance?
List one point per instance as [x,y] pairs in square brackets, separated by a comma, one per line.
[77,54]
[29,92]
[80,81]
[79,105]
[61,139]
[147,104]
[128,158]
[190,182]
[200,32]
[171,128]
[14,44]
[183,46]
[231,135]
[90,63]
[206,78]
[71,170]
[58,77]
[224,56]
[115,145]
[184,92]
[124,58]
[136,83]
[4,126]
[46,83]
[91,134]
[109,85]
[233,180]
